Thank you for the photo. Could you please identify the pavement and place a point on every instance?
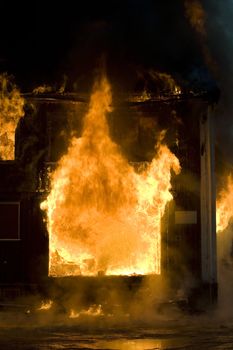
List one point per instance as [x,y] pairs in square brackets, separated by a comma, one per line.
[46,329]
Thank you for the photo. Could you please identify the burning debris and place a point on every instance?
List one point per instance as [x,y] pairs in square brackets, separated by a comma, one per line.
[104,217]
[92,311]
[11,110]
[45,305]
[156,84]
[165,82]
[42,89]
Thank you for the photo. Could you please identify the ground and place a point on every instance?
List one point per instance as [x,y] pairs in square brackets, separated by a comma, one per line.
[30,324]
[43,330]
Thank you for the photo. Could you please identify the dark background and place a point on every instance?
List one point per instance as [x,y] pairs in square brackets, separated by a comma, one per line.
[45,41]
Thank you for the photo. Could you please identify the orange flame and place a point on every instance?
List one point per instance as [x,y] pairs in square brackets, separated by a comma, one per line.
[11,110]
[46,305]
[93,311]
[225,206]
[103,216]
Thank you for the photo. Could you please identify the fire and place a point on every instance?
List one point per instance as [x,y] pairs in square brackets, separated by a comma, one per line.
[145,96]
[94,311]
[11,110]
[42,89]
[46,305]
[166,81]
[225,206]
[104,216]
[156,85]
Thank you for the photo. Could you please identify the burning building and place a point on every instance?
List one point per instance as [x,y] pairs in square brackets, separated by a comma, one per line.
[120,187]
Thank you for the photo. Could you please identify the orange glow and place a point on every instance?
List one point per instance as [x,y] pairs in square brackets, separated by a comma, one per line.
[225,206]
[46,305]
[166,81]
[11,110]
[93,311]
[42,89]
[104,216]
[196,15]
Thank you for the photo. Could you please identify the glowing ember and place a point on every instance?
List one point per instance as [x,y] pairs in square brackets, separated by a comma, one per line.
[94,311]
[103,216]
[46,305]
[225,206]
[11,110]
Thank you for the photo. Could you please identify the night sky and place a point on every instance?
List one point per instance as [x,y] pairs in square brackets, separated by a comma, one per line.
[43,40]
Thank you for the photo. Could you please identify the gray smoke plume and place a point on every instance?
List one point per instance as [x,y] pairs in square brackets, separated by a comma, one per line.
[219,26]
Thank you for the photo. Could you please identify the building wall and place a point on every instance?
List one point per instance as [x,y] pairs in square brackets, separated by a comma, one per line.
[42,137]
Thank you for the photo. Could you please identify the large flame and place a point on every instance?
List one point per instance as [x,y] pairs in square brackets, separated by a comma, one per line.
[103,216]
[11,110]
[225,206]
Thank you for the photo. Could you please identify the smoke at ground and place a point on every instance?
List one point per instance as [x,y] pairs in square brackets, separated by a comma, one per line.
[112,303]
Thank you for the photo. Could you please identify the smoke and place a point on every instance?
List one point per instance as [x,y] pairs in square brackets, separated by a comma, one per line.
[95,303]
[219,28]
[196,15]
[212,22]
[134,34]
